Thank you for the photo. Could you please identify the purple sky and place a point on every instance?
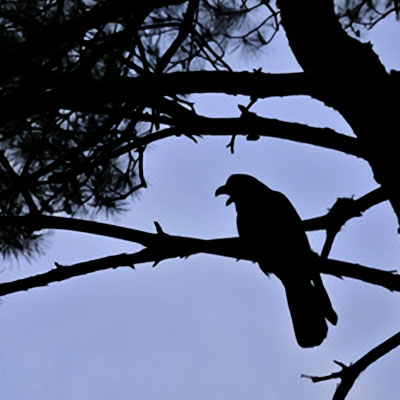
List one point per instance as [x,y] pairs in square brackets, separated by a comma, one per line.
[207,327]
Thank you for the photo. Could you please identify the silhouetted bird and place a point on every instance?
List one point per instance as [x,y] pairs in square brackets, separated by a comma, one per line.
[272,231]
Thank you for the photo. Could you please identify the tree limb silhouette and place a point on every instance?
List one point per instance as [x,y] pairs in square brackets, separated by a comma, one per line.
[73,93]
[342,211]
[162,246]
[349,374]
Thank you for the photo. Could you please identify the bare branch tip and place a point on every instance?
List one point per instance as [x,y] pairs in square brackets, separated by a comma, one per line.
[191,137]
[341,365]
[314,379]
[231,144]
[158,228]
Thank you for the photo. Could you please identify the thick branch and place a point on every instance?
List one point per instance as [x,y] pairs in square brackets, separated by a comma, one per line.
[191,124]
[161,246]
[362,91]
[268,127]
[349,374]
[147,89]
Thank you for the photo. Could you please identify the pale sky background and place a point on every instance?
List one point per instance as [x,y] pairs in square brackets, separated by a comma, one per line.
[209,328]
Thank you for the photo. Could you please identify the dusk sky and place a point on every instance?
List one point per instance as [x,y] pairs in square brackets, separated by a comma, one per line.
[207,327]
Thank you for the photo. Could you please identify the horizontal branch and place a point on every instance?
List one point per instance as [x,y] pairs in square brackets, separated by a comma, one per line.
[148,89]
[255,126]
[191,125]
[150,86]
[161,246]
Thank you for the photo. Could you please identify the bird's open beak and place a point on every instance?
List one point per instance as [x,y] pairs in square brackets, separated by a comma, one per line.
[224,190]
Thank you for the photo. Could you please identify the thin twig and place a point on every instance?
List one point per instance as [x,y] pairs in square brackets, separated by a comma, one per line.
[349,374]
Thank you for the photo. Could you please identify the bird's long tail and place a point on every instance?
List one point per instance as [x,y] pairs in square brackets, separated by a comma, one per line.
[309,307]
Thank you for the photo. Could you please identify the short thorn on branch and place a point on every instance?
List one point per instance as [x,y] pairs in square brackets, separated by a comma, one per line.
[159,229]
[156,262]
[191,137]
[341,365]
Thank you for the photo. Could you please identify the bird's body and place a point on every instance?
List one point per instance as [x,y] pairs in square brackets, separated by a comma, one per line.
[272,232]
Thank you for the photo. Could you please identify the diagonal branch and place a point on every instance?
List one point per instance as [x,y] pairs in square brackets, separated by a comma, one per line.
[387,279]
[184,31]
[342,211]
[349,374]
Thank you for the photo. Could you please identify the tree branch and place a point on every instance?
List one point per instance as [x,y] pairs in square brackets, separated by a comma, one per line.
[184,30]
[192,124]
[72,94]
[268,127]
[341,214]
[161,246]
[362,91]
[56,39]
[349,374]
[341,269]
[342,211]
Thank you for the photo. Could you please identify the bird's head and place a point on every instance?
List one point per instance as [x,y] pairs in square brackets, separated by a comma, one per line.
[237,187]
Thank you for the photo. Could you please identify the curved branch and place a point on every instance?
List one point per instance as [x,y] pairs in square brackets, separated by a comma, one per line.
[190,124]
[39,222]
[349,374]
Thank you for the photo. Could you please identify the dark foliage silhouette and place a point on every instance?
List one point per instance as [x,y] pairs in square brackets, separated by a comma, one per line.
[272,230]
[87,86]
